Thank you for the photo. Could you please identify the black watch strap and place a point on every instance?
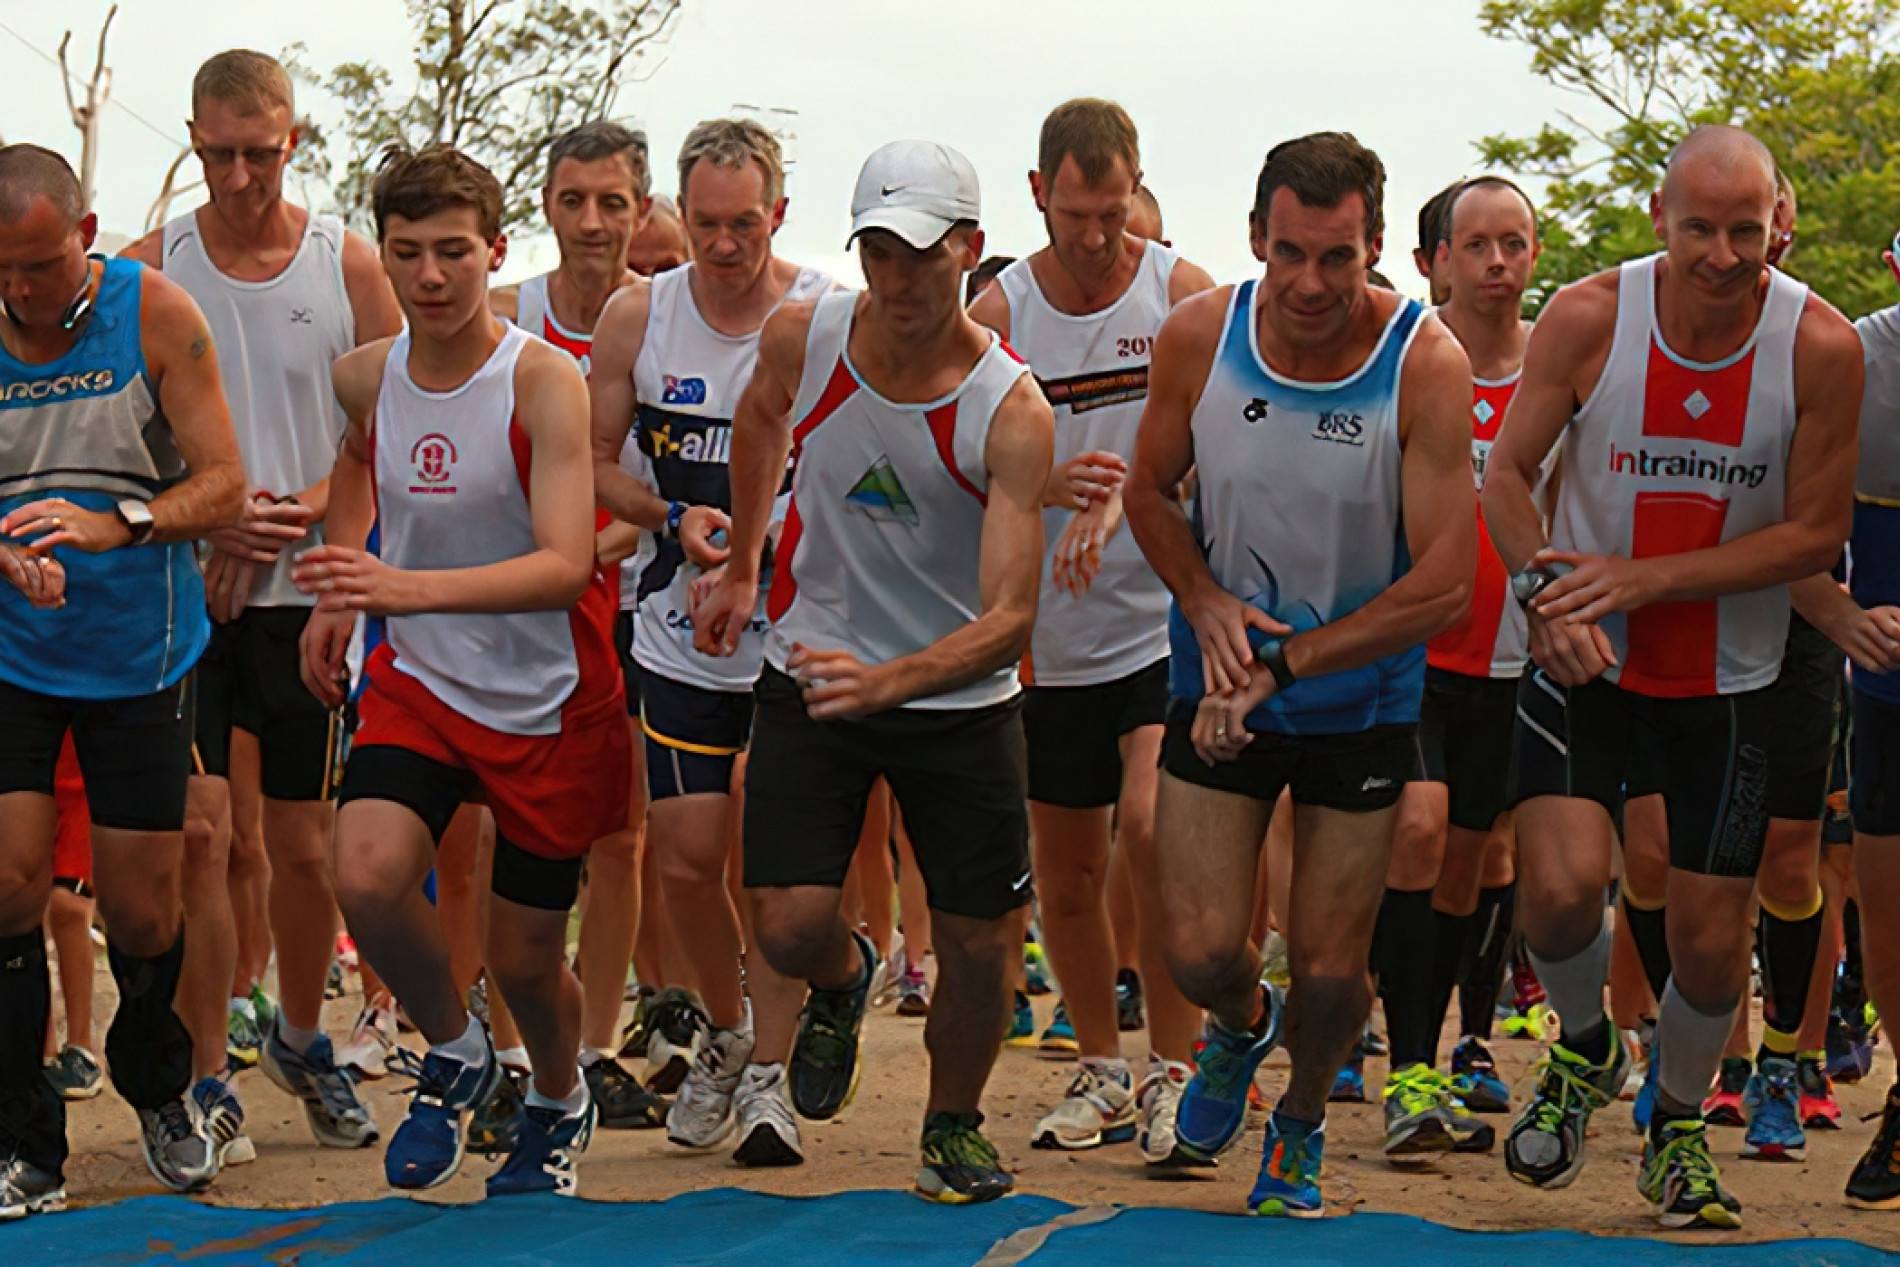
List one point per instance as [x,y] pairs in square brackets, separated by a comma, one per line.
[1272,657]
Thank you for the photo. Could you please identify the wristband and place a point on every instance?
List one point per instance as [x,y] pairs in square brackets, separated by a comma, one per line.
[1271,656]
[675,511]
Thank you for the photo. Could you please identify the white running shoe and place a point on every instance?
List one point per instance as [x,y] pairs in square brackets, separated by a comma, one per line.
[1099,1108]
[768,1129]
[888,979]
[371,1040]
[701,1116]
[1160,1100]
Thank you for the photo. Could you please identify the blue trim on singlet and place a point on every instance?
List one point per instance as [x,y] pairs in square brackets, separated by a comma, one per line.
[134,620]
[1385,692]
[1875,581]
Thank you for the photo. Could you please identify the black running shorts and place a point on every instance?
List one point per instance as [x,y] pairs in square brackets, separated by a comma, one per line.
[693,736]
[958,774]
[1358,772]
[1874,795]
[629,667]
[1806,702]
[135,753]
[1074,735]
[249,679]
[1707,755]
[1465,726]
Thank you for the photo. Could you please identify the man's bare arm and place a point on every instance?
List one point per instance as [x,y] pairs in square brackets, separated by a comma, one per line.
[1164,447]
[1187,280]
[618,339]
[181,360]
[991,308]
[357,378]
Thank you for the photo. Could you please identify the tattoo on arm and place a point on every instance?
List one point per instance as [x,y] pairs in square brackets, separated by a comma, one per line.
[199,346]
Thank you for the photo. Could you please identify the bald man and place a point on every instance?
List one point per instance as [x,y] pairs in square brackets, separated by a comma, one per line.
[661,242]
[1708,406]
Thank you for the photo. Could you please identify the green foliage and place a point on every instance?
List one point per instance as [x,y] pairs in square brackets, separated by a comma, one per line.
[498,79]
[1817,80]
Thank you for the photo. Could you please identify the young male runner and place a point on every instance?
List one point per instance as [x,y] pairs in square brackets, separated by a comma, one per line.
[1333,532]
[1708,407]
[1083,311]
[116,452]
[903,598]
[286,292]
[467,444]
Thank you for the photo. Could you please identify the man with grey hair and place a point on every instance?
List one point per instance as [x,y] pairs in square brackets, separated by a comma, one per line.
[116,452]
[673,356]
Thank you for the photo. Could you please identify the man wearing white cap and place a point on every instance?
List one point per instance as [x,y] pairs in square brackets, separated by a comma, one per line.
[902,600]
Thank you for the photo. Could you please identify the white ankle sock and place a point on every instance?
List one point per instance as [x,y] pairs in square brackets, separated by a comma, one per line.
[469,1048]
[575,1100]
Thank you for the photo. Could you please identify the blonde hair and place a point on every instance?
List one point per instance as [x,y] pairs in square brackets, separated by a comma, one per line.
[248,81]
[733,143]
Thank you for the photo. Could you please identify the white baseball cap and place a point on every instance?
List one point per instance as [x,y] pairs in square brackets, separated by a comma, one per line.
[919,190]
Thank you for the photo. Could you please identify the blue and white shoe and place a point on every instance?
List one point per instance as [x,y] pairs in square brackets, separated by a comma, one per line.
[1290,1163]
[1475,1080]
[1774,1120]
[1349,1084]
[224,1120]
[337,1117]
[546,1144]
[426,1150]
[1214,1106]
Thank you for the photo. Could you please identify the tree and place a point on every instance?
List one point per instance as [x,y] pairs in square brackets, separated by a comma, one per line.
[1814,79]
[86,115]
[498,79]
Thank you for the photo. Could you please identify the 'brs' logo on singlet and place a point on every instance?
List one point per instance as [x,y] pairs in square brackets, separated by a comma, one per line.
[1341,427]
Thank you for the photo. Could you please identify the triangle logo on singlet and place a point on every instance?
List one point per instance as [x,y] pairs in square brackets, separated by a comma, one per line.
[880,494]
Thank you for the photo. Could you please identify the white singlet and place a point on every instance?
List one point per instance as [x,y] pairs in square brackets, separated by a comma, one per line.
[688,380]
[276,341]
[452,492]
[1670,455]
[1094,370]
[883,541]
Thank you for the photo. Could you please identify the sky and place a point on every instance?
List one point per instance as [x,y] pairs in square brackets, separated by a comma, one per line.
[1211,84]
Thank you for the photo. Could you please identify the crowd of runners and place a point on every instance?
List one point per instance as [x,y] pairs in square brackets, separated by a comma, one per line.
[1221,657]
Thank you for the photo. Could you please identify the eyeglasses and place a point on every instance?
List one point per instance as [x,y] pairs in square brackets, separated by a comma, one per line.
[255,159]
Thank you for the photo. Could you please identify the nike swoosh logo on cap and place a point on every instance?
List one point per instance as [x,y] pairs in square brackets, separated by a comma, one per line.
[887,190]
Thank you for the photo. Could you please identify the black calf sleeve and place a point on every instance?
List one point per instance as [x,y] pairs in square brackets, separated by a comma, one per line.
[1649,929]
[148,1047]
[1402,958]
[1788,950]
[1484,975]
[32,1116]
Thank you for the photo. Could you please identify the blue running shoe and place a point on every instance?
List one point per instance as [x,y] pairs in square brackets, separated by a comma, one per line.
[426,1150]
[1288,1186]
[1475,1080]
[1774,1122]
[337,1117]
[224,1120]
[1058,1041]
[1644,1106]
[1022,1024]
[546,1143]
[1214,1106]
[1349,1084]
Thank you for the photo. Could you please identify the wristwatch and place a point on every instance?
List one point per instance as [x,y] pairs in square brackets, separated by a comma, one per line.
[1529,583]
[1272,656]
[675,511]
[136,516]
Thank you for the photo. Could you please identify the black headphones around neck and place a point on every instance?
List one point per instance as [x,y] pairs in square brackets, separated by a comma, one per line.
[77,310]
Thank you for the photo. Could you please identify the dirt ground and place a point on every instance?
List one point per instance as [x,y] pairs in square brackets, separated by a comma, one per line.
[872,1144]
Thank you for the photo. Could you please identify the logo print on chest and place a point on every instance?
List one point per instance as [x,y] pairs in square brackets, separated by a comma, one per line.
[682,391]
[303,316]
[880,494]
[1341,427]
[434,460]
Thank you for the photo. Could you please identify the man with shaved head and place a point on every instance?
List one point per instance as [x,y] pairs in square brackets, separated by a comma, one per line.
[1708,406]
[661,242]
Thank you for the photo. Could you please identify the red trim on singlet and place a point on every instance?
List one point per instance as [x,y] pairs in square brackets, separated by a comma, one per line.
[1014,355]
[1720,416]
[943,429]
[579,349]
[784,590]
[1470,646]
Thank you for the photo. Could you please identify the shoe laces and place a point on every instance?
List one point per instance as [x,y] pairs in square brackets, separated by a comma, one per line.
[1686,1154]
[1561,1092]
[1419,1089]
[961,1144]
[1885,1149]
[826,1036]
[174,1121]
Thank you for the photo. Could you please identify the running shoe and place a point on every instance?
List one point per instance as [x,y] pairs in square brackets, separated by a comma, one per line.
[1679,1178]
[1037,979]
[427,1148]
[913,993]
[1058,1041]
[1875,1183]
[1022,1023]
[334,985]
[1417,1124]
[1724,1105]
[1538,1024]
[75,1074]
[1820,1111]
[263,1011]
[620,1102]
[1098,1108]
[1214,1106]
[674,1028]
[372,1039]
[1290,1165]
[701,1116]
[1545,1146]
[1637,1043]
[1349,1084]
[1850,1050]
[960,1167]
[1643,1107]
[546,1144]
[26,1189]
[1131,1010]
[885,981]
[825,1065]
[768,1129]
[241,1036]
[1475,1080]
[1159,1100]
[491,1127]
[337,1117]
[1275,968]
[1774,1118]
[224,1121]
[177,1148]
[1373,1043]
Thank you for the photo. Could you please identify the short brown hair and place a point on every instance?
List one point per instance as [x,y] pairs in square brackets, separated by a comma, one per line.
[599,139]
[734,143]
[1094,133]
[31,172]
[1486,181]
[246,80]
[417,185]
[1323,170]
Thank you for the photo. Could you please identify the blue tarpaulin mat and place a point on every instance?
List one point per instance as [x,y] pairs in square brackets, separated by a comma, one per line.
[728,1226]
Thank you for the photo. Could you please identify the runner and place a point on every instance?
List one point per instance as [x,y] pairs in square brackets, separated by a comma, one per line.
[286,292]
[1433,228]
[1083,311]
[116,451]
[661,242]
[903,599]
[594,200]
[1144,218]
[674,357]
[466,443]
[1333,532]
[1714,404]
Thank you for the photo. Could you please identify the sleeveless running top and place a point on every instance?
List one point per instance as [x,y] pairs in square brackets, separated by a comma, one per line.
[883,538]
[87,427]
[1874,547]
[1493,640]
[452,485]
[1094,370]
[1299,515]
[276,341]
[1670,455]
[535,314]
[688,380]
